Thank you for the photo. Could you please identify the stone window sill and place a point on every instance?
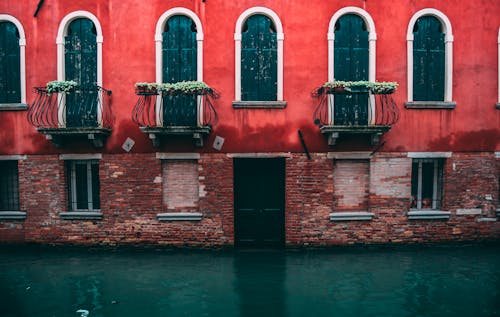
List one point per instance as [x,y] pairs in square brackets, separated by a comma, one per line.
[259,104]
[448,105]
[351,216]
[179,216]
[12,215]
[13,106]
[81,215]
[428,215]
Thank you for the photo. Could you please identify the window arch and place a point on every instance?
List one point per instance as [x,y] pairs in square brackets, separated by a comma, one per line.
[429,27]
[498,104]
[351,56]
[372,40]
[254,21]
[14,61]
[159,38]
[79,58]
[61,39]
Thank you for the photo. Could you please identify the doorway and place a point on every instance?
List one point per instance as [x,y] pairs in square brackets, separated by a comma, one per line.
[259,202]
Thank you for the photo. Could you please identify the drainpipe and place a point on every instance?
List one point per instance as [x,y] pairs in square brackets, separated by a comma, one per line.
[38,8]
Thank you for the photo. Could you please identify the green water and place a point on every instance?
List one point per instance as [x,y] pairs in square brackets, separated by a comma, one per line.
[430,281]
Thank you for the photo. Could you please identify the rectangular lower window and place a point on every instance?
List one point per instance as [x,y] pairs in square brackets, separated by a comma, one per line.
[427,183]
[83,185]
[9,186]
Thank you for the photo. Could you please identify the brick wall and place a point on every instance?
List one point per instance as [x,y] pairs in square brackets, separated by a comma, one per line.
[351,183]
[132,196]
[180,184]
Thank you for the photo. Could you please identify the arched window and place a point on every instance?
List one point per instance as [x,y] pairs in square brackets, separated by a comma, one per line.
[351,57]
[430,61]
[12,62]
[259,56]
[179,49]
[79,58]
[179,46]
[179,57]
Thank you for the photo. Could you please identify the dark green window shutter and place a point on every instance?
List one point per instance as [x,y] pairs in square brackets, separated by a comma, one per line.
[179,50]
[10,72]
[351,63]
[259,59]
[428,60]
[81,66]
[179,64]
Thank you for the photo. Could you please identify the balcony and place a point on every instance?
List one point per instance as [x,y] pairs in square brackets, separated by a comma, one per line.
[180,109]
[348,108]
[72,114]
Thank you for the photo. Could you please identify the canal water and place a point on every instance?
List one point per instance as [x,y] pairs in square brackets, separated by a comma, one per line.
[417,281]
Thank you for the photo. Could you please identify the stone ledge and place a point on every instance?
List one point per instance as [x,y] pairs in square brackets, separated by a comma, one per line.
[81,215]
[17,106]
[468,211]
[428,215]
[12,215]
[351,216]
[447,105]
[179,216]
[486,219]
[259,104]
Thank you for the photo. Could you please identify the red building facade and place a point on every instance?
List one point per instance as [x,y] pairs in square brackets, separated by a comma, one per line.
[263,157]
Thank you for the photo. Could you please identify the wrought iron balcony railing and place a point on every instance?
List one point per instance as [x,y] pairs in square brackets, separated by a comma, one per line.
[80,112]
[174,113]
[163,109]
[354,112]
[82,107]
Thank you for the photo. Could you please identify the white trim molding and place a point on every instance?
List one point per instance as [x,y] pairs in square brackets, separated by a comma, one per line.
[448,44]
[22,52]
[237,48]
[92,156]
[61,33]
[498,65]
[160,26]
[429,154]
[372,51]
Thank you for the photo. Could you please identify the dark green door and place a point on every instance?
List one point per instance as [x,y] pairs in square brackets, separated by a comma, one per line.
[259,198]
[179,64]
[10,81]
[351,64]
[259,59]
[428,60]
[81,66]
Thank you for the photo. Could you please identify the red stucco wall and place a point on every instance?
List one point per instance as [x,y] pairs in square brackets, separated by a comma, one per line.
[129,56]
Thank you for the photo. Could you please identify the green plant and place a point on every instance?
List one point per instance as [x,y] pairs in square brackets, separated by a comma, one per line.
[385,87]
[63,86]
[183,87]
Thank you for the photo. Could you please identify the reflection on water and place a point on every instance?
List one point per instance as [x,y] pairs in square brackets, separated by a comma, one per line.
[439,281]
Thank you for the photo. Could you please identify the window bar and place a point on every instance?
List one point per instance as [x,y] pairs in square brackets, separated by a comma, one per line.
[419,187]
[74,205]
[434,185]
[90,205]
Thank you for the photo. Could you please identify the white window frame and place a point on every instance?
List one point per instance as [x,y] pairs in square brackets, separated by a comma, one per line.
[61,33]
[448,42]
[22,51]
[498,104]
[372,54]
[237,49]
[72,184]
[160,26]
